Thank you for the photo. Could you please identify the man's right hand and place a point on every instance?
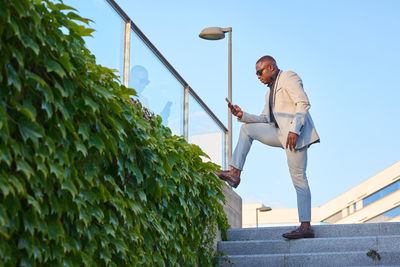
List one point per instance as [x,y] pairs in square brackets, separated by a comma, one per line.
[236,110]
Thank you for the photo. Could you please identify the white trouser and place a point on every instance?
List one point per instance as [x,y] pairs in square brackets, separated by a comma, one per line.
[267,134]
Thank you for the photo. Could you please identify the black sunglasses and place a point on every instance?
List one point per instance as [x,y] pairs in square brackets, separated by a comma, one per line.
[260,72]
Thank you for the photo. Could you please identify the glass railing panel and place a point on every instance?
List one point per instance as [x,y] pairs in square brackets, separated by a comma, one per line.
[107,43]
[205,132]
[157,88]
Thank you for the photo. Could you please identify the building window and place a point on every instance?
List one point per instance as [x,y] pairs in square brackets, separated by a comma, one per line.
[381,193]
[354,207]
[386,216]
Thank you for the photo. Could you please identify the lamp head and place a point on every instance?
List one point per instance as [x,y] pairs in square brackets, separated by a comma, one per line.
[264,209]
[212,33]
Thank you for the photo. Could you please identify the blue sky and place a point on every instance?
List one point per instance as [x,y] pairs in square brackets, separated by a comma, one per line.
[346,52]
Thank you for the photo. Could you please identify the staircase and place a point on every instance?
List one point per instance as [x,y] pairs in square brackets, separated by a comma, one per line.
[333,245]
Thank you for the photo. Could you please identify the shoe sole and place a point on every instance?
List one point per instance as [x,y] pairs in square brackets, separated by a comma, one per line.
[292,237]
[231,183]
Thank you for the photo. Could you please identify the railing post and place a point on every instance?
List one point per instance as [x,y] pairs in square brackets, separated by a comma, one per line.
[127,44]
[226,150]
[186,113]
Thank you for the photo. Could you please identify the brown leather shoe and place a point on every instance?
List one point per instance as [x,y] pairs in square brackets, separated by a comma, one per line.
[300,233]
[231,179]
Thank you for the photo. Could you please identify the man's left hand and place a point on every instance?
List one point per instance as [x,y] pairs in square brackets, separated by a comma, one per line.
[291,141]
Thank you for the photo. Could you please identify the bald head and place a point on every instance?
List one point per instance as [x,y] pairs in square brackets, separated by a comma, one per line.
[266,69]
[267,60]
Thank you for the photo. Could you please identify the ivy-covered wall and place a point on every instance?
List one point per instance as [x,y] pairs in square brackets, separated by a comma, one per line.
[87,178]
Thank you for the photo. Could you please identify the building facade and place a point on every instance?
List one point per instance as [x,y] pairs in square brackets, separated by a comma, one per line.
[377,199]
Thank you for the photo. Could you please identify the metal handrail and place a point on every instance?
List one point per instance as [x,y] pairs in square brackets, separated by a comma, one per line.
[164,61]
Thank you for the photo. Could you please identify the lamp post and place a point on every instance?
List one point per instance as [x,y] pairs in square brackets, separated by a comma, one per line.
[217,33]
[262,209]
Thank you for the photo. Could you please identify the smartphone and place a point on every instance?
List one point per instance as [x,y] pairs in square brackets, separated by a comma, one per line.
[233,109]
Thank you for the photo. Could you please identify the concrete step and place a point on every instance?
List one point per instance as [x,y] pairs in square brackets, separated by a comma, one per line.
[336,230]
[355,258]
[315,245]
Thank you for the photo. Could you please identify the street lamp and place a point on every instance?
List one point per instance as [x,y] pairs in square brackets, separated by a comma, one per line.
[262,209]
[217,33]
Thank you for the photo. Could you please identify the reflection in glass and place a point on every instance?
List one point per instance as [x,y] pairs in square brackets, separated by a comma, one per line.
[156,87]
[384,217]
[107,43]
[205,133]
[381,193]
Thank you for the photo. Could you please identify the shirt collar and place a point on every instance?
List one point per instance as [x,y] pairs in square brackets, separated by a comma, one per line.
[273,79]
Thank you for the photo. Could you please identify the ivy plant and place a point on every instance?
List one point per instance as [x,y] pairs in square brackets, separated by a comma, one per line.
[87,178]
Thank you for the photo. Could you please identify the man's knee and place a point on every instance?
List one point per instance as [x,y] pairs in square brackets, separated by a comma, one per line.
[244,129]
[299,177]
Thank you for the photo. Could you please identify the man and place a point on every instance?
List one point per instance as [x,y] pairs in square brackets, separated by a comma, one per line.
[284,122]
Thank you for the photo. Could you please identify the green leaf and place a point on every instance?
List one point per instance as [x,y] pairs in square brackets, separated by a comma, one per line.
[3,216]
[35,77]
[23,166]
[20,8]
[57,170]
[18,56]
[71,129]
[142,196]
[5,154]
[50,145]
[74,16]
[17,184]
[48,109]
[61,6]
[42,167]
[89,102]
[65,61]
[81,148]
[60,89]
[30,221]
[120,245]
[33,202]
[128,92]
[5,187]
[84,216]
[70,187]
[102,91]
[83,131]
[81,30]
[97,213]
[96,141]
[55,230]
[27,109]
[53,66]
[30,130]
[13,78]
[138,174]
[29,43]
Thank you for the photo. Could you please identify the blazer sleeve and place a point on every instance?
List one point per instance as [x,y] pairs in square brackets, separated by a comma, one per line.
[251,118]
[263,117]
[294,87]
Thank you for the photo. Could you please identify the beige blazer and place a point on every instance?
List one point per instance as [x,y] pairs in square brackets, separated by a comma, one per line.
[290,109]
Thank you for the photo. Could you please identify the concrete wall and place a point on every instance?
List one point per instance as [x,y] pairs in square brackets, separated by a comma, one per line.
[233,207]
[233,211]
